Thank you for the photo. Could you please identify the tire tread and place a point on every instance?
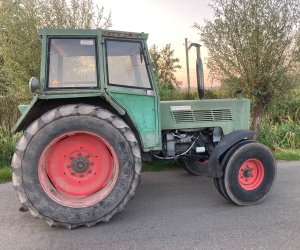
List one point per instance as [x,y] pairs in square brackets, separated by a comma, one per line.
[64,111]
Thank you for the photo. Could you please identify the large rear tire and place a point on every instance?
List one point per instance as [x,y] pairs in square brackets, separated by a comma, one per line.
[249,171]
[76,165]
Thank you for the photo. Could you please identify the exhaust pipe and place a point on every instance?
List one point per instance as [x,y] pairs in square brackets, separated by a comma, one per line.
[200,74]
[199,70]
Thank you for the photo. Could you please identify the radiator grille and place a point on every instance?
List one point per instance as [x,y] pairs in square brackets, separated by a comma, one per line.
[202,115]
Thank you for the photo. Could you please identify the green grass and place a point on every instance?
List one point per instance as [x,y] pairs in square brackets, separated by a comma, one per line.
[7,145]
[161,165]
[287,155]
[5,174]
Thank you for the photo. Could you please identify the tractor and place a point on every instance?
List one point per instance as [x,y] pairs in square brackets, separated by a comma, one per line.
[97,115]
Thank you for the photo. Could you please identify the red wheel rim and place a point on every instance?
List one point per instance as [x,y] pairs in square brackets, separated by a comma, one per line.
[251,174]
[202,162]
[78,169]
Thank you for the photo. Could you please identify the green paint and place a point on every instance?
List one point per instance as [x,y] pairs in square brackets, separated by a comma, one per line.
[22,108]
[229,114]
[141,108]
[143,112]
[24,113]
[135,101]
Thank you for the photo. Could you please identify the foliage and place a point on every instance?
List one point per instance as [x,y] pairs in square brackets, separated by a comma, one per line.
[287,106]
[164,64]
[254,45]
[7,145]
[5,174]
[8,111]
[281,135]
[168,92]
[20,44]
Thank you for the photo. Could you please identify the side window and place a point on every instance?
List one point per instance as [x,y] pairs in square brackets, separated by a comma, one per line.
[126,64]
[72,63]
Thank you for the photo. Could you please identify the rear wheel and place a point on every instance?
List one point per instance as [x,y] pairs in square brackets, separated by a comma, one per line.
[195,167]
[249,171]
[76,165]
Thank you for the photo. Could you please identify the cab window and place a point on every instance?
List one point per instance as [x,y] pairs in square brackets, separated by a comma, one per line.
[126,64]
[72,63]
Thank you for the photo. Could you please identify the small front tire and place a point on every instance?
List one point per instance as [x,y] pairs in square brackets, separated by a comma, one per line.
[195,167]
[249,171]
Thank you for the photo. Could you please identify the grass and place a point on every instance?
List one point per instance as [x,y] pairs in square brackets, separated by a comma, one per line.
[287,155]
[161,165]
[7,145]
[280,135]
[5,174]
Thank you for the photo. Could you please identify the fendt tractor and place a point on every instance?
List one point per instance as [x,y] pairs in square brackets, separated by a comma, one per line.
[97,115]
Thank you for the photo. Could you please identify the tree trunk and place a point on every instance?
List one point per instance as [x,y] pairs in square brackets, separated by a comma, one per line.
[258,112]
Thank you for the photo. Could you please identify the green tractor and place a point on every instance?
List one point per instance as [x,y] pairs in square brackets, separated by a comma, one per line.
[97,116]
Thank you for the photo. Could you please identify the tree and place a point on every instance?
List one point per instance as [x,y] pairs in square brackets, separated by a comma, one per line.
[19,24]
[164,64]
[253,45]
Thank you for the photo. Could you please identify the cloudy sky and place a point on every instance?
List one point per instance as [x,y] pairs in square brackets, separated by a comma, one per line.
[166,22]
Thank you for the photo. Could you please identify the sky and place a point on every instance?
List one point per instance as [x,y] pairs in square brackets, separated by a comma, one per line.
[166,22]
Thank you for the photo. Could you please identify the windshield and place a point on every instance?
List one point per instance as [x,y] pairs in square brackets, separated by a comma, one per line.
[126,64]
[72,63]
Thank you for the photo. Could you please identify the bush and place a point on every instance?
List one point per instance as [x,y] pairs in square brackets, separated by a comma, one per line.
[280,134]
[7,145]
[168,92]
[8,116]
[8,112]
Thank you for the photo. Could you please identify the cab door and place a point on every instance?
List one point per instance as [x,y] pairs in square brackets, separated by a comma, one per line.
[130,83]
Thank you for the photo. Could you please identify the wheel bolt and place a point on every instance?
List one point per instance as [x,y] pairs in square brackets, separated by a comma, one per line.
[68,166]
[71,158]
[87,156]
[72,173]
[79,154]
[90,171]
[91,163]
[81,175]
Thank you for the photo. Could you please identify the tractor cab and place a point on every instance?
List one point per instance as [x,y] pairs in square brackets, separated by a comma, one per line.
[83,65]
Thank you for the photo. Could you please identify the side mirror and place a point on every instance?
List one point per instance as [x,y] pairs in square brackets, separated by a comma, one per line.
[33,84]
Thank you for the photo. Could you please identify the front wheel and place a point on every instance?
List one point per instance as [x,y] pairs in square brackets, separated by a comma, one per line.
[249,171]
[195,167]
[76,165]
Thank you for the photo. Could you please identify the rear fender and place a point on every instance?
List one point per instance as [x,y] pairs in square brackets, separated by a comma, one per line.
[214,169]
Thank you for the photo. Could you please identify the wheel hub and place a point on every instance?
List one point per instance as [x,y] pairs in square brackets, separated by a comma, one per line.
[80,164]
[251,174]
[78,169]
[247,172]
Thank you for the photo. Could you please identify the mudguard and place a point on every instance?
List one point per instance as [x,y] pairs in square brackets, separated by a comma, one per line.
[214,169]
